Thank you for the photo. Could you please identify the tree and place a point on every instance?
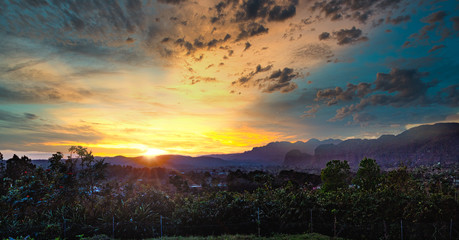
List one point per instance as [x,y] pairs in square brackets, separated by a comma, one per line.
[2,166]
[17,167]
[369,175]
[335,175]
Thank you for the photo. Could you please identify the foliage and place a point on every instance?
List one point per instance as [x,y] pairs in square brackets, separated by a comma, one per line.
[369,175]
[335,175]
[73,199]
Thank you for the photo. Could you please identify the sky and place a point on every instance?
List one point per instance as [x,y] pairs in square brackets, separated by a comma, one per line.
[200,77]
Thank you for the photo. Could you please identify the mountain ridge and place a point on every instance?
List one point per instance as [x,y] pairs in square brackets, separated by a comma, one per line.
[421,145]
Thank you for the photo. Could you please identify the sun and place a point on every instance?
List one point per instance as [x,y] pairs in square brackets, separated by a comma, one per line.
[153,152]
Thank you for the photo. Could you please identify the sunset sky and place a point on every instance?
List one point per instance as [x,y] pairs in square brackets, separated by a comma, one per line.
[200,77]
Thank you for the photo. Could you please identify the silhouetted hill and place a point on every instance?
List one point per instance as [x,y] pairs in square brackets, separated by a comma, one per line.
[423,145]
[274,153]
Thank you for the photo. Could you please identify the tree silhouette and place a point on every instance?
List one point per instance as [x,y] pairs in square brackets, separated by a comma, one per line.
[335,175]
[369,174]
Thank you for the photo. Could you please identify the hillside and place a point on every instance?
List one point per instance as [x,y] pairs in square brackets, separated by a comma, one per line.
[423,145]
[274,153]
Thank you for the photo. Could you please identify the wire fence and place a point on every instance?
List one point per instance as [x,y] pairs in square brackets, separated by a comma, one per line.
[265,226]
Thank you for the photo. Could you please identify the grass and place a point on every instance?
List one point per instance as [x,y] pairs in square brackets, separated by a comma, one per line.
[309,236]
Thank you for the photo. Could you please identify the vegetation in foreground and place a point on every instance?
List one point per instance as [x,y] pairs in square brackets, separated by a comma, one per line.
[307,236]
[73,198]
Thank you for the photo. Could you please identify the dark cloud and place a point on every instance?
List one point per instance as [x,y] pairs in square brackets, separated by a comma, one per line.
[349,36]
[362,117]
[436,47]
[398,88]
[406,83]
[435,17]
[16,118]
[311,113]
[23,129]
[435,24]
[279,13]
[398,19]
[407,44]
[250,30]
[332,96]
[172,1]
[197,79]
[130,40]
[449,95]
[361,10]
[21,66]
[247,45]
[30,116]
[324,36]
[246,78]
[455,21]
[280,80]
[30,95]
[185,44]
[262,9]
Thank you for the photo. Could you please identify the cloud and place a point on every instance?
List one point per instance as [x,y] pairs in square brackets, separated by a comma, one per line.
[130,40]
[349,36]
[324,36]
[31,131]
[311,113]
[398,88]
[246,78]
[197,79]
[435,24]
[247,46]
[280,80]
[354,10]
[406,83]
[398,19]
[332,96]
[314,51]
[449,95]
[279,13]
[435,17]
[172,1]
[262,9]
[250,30]
[362,117]
[455,21]
[16,118]
[436,47]
[30,116]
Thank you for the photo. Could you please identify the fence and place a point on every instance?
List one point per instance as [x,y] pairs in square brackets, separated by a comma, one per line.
[318,221]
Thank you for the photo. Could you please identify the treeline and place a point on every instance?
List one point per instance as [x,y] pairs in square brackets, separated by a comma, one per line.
[74,197]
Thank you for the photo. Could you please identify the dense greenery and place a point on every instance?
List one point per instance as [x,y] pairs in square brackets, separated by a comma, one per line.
[74,196]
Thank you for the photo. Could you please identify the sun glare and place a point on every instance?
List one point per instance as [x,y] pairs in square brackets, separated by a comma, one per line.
[153,152]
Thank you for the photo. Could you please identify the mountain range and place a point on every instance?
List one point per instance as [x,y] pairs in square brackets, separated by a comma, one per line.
[422,145]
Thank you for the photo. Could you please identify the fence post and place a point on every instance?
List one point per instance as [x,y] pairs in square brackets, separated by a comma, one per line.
[310,211]
[258,222]
[161,223]
[451,229]
[401,229]
[113,227]
[64,228]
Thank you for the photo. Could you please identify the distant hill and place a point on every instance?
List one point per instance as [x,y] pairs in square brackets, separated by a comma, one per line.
[423,145]
[174,162]
[274,153]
